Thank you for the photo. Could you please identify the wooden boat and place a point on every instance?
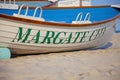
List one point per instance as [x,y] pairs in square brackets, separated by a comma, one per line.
[44,3]
[55,29]
[12,4]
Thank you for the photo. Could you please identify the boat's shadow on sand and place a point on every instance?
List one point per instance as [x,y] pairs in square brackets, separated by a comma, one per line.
[117,31]
[105,46]
[117,27]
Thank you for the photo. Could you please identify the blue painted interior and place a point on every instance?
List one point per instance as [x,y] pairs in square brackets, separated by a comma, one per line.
[68,15]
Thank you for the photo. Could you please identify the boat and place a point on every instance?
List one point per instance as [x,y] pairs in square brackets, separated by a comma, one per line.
[12,4]
[43,3]
[56,29]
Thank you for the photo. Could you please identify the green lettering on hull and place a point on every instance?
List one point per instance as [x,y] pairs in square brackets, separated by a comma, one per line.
[52,37]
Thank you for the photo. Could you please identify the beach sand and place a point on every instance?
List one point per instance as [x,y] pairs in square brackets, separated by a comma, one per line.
[96,64]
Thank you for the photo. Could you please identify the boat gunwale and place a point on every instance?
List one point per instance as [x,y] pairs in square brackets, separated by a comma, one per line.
[60,24]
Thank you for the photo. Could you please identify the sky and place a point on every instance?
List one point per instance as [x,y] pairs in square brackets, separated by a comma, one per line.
[104,2]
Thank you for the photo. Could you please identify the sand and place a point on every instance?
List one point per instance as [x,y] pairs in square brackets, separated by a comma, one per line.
[96,64]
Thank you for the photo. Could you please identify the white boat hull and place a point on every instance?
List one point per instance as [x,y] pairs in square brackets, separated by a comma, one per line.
[29,38]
